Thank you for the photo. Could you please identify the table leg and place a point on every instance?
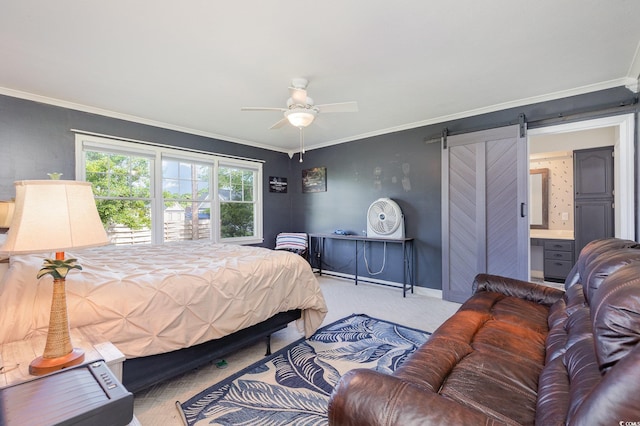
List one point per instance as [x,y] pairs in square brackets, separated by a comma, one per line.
[404,269]
[321,248]
[356,260]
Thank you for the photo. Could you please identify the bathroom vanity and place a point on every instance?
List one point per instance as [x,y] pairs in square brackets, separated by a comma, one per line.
[552,254]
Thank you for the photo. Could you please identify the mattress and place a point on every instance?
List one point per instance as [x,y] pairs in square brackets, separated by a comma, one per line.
[152,299]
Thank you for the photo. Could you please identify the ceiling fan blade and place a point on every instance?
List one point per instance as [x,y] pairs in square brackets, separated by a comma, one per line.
[279,124]
[299,95]
[339,107]
[262,109]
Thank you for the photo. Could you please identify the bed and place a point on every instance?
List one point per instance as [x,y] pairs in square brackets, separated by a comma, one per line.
[171,307]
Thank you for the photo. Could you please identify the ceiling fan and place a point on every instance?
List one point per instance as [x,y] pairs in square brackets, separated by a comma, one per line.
[301,110]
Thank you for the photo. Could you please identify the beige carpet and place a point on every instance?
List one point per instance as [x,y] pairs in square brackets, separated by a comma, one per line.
[156,405]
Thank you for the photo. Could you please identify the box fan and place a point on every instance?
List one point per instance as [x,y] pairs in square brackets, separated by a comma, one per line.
[385,219]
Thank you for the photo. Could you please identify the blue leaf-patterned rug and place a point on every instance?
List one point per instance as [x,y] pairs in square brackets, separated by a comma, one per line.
[292,386]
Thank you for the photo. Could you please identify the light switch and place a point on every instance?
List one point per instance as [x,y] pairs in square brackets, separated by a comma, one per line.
[565,216]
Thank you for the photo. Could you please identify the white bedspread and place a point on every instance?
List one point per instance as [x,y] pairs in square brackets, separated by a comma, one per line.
[154,299]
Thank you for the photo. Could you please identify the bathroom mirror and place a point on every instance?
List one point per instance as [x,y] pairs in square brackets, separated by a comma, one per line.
[539,199]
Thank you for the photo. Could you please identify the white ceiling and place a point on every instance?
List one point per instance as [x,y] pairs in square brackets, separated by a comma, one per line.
[192,65]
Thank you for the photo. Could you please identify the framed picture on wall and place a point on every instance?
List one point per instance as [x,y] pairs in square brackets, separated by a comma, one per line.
[314,179]
[278,184]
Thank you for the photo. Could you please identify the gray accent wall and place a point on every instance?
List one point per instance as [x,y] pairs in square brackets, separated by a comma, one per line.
[401,166]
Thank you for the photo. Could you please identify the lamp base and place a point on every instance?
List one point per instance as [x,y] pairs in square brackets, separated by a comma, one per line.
[41,365]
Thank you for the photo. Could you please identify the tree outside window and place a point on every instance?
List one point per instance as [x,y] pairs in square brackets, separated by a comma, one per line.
[122,187]
[237,205]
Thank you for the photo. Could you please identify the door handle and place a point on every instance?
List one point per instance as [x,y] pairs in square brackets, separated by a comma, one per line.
[522,209]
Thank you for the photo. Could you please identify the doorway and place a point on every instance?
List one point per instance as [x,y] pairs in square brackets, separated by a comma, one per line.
[621,129]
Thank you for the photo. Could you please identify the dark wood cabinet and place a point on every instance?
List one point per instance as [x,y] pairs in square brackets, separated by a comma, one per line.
[593,197]
[593,173]
[593,220]
[558,259]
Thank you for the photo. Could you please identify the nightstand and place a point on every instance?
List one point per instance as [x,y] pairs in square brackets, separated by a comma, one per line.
[16,356]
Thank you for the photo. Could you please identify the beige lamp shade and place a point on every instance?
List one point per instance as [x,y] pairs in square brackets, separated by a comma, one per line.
[54,215]
[6,213]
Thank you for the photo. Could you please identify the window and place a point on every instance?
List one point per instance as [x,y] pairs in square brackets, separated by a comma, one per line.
[122,187]
[152,194]
[237,203]
[186,194]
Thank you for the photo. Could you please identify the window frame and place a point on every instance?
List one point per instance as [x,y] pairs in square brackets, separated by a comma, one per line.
[85,142]
[193,162]
[257,197]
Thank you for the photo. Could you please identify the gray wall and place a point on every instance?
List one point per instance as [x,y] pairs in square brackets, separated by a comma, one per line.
[352,185]
[35,139]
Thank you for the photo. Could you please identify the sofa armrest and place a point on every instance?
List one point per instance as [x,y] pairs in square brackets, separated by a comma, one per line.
[526,290]
[367,397]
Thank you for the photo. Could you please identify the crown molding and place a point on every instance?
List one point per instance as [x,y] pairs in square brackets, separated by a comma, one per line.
[132,118]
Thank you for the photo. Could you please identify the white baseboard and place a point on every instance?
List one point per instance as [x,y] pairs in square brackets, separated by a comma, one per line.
[429,292]
[422,291]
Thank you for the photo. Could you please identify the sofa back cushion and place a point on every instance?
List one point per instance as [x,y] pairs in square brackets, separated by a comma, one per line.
[615,312]
[588,266]
[615,399]
[604,265]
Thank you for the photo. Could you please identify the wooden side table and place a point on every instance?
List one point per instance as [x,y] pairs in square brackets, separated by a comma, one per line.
[16,356]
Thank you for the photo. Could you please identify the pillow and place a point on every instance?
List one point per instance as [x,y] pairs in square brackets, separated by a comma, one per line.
[291,241]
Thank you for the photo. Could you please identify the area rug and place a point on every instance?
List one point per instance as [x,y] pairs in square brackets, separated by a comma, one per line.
[292,386]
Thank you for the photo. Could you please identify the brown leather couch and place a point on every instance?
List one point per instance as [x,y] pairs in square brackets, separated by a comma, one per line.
[519,353]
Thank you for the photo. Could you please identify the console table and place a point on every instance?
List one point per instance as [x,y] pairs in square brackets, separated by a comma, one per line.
[407,256]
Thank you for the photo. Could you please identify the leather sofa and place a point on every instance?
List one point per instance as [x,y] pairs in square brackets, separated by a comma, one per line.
[519,353]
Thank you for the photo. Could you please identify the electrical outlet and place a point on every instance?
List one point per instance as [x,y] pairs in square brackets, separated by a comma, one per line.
[565,216]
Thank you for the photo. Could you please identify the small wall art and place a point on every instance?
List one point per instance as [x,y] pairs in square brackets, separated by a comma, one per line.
[278,184]
[314,179]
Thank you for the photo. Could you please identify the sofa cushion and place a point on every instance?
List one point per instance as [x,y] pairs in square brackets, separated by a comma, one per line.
[615,311]
[512,287]
[615,399]
[578,326]
[556,343]
[597,247]
[553,394]
[429,367]
[574,297]
[604,265]
[592,251]
[584,374]
[494,346]
[500,389]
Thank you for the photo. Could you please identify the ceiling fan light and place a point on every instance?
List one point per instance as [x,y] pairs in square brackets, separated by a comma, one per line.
[300,117]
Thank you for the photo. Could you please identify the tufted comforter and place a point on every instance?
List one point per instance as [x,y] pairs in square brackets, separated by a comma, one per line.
[154,299]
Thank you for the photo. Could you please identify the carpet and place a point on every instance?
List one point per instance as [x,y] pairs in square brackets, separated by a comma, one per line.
[292,386]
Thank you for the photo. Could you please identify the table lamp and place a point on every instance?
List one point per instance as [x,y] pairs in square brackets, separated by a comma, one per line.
[54,216]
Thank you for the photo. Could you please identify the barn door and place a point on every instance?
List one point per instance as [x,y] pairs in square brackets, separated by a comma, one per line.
[484,224]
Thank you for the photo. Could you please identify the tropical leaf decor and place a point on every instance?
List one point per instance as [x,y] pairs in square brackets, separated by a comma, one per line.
[293,385]
[58,269]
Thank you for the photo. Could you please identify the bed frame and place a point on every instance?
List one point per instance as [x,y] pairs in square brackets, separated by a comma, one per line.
[141,373]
